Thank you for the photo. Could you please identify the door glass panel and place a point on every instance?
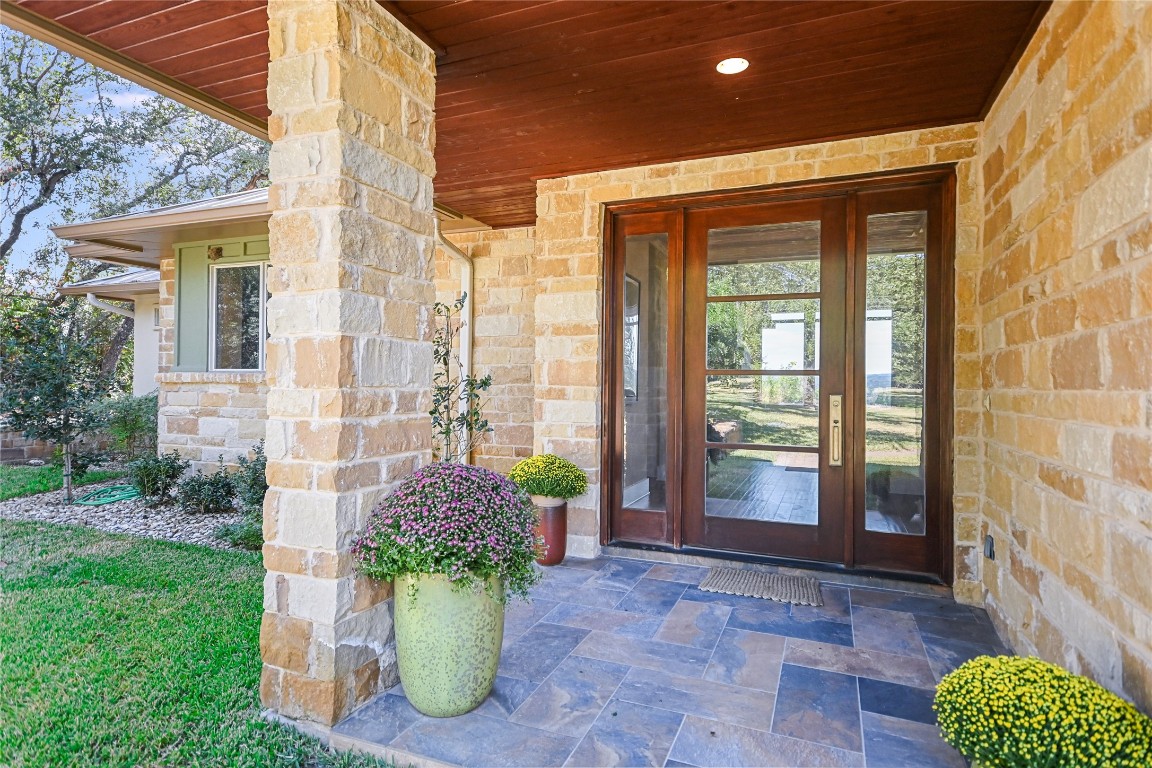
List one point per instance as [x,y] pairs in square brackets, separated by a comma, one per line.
[645,380]
[767,410]
[771,486]
[759,333]
[894,340]
[764,335]
[764,259]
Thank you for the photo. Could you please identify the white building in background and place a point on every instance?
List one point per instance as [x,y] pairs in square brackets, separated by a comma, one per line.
[782,346]
[142,288]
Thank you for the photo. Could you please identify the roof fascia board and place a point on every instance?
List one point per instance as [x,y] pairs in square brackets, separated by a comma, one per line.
[124,260]
[45,30]
[138,289]
[131,224]
[94,251]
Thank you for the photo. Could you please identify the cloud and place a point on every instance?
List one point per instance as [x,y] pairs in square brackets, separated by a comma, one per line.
[124,100]
[130,99]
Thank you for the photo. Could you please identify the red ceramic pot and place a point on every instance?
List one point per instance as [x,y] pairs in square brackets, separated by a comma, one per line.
[553,527]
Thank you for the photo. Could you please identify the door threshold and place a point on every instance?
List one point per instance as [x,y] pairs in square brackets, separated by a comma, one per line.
[830,573]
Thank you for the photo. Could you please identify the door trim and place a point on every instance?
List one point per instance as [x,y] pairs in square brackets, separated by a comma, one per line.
[944,342]
[770,193]
[611,431]
[870,548]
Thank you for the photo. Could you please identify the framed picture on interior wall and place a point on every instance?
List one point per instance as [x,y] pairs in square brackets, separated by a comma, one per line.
[631,339]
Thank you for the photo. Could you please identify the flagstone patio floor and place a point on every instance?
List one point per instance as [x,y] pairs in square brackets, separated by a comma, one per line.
[621,661]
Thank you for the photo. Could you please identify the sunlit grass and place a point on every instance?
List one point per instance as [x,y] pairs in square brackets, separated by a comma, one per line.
[17,481]
[119,651]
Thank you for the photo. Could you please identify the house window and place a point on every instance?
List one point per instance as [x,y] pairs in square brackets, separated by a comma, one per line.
[236,332]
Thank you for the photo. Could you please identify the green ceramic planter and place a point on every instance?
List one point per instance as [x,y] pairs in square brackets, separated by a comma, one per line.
[447,643]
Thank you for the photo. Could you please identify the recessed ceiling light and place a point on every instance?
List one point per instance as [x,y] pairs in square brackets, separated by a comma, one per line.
[732,66]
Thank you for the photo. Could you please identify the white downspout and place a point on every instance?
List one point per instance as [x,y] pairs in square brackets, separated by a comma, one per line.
[466,270]
[110,307]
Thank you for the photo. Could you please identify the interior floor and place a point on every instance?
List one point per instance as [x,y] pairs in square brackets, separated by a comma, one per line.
[754,489]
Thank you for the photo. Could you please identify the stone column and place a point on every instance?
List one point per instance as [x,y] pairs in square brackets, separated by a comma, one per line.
[351,95]
[567,266]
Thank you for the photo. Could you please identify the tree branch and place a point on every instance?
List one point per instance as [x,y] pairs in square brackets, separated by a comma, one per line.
[47,187]
[44,72]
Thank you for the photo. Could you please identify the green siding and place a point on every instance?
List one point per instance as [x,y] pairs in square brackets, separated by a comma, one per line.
[192,300]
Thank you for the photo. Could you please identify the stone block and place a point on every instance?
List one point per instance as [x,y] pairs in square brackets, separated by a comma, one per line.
[1130,355]
[307,698]
[1137,676]
[284,642]
[1076,363]
[1120,196]
[1132,459]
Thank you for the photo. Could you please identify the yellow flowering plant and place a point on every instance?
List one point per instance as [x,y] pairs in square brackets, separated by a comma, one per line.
[1015,712]
[549,475]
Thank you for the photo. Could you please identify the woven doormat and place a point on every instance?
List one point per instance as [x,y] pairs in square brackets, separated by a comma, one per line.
[801,590]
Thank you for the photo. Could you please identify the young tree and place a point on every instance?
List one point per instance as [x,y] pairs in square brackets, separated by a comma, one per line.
[50,373]
[458,423]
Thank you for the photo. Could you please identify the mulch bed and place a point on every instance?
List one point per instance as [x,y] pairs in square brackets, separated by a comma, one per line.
[133,517]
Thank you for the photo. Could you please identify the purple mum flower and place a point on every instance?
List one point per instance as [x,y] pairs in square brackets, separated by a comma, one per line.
[463,521]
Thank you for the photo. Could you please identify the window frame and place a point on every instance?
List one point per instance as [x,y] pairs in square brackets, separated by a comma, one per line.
[212,307]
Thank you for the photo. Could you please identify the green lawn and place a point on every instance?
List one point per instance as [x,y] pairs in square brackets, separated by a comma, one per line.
[25,481]
[118,651]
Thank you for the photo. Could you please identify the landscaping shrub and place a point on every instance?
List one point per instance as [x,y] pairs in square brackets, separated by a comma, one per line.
[131,423]
[1013,712]
[251,484]
[155,477]
[208,494]
[251,481]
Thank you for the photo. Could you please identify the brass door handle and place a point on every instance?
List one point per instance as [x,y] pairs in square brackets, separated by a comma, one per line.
[836,430]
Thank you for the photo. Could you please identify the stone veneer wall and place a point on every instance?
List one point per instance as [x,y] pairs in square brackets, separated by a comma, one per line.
[204,415]
[17,449]
[504,289]
[1066,300]
[568,271]
[351,94]
[166,304]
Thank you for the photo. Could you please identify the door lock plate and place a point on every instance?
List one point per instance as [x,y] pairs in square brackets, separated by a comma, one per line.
[836,430]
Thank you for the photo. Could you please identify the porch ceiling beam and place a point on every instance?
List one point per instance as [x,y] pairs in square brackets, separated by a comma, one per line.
[48,31]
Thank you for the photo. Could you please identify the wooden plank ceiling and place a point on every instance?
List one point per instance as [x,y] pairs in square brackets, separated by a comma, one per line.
[530,90]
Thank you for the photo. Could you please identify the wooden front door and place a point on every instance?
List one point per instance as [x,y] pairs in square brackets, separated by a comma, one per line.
[763,356]
[778,376]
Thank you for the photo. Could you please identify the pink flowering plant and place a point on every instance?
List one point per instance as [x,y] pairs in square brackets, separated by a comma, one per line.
[466,522]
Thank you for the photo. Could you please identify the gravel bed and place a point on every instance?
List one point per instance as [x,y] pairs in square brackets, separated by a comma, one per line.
[132,517]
